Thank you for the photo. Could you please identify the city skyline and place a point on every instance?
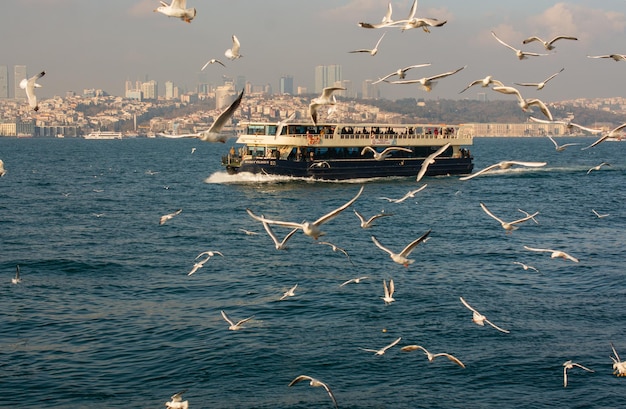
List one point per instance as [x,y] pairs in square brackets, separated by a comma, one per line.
[103,44]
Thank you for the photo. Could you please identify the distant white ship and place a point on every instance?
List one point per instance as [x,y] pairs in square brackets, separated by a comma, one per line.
[104,135]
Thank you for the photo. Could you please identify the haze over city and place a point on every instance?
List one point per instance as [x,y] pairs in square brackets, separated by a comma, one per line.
[86,44]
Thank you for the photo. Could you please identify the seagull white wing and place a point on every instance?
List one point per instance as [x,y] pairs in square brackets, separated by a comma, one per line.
[429,160]
[445,74]
[225,116]
[335,212]
[538,249]
[380,246]
[408,249]
[328,91]
[228,320]
[491,214]
[451,358]
[276,222]
[496,327]
[468,306]
[480,172]
[503,43]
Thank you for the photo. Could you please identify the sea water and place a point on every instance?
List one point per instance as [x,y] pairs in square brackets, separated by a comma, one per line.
[106,315]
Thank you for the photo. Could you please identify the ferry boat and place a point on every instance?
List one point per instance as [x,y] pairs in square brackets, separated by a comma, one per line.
[103,135]
[338,151]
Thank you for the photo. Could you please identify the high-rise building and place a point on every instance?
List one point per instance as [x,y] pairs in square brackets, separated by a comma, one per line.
[369,90]
[169,90]
[19,73]
[240,83]
[327,76]
[224,95]
[150,90]
[286,85]
[4,81]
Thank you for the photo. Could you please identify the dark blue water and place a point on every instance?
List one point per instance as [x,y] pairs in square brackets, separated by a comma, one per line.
[106,315]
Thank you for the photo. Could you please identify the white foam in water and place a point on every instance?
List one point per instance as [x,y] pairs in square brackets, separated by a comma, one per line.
[248,178]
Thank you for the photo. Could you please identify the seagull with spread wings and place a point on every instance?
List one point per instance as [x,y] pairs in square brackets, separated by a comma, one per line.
[372,51]
[315,383]
[400,72]
[525,103]
[384,349]
[366,224]
[521,55]
[214,133]
[503,165]
[410,193]
[613,132]
[177,401]
[401,258]
[233,52]
[431,357]
[323,99]
[508,226]
[548,45]
[232,325]
[177,9]
[541,84]
[384,154]
[430,159]
[427,83]
[484,83]
[554,253]
[310,229]
[29,86]
[480,319]
[569,365]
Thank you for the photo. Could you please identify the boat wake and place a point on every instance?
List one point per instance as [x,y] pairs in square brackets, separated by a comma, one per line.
[244,178]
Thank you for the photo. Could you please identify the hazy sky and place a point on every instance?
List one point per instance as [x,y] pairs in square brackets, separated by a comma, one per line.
[100,44]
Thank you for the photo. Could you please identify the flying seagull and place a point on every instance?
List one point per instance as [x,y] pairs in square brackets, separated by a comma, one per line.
[29,86]
[323,99]
[289,293]
[541,84]
[336,248]
[169,216]
[177,401]
[503,165]
[548,45]
[526,266]
[233,326]
[598,215]
[384,349]
[484,82]
[431,357]
[427,83]
[233,52]
[430,159]
[16,279]
[597,167]
[561,148]
[569,365]
[214,133]
[366,224]
[2,170]
[310,229]
[606,136]
[554,253]
[508,226]
[400,72]
[480,319]
[280,245]
[371,52]
[212,61]
[416,22]
[177,9]
[401,258]
[410,193]
[356,280]
[619,367]
[615,57]
[525,103]
[384,154]
[521,55]
[388,292]
[315,383]
[568,124]
[384,22]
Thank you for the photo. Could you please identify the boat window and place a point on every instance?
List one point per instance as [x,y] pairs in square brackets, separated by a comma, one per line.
[257,130]
[297,129]
[271,130]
